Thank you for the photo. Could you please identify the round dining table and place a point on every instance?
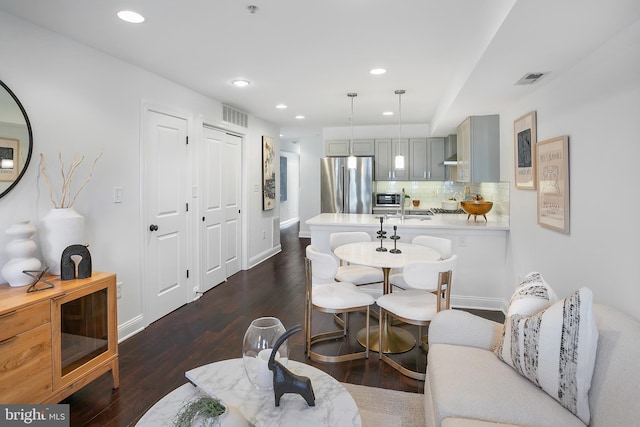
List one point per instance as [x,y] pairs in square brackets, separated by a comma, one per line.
[394,339]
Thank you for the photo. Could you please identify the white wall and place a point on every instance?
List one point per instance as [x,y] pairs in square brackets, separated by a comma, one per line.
[290,209]
[597,104]
[82,101]
[382,131]
[311,150]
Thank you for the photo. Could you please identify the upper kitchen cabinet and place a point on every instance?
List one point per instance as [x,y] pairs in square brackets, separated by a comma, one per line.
[451,157]
[426,159]
[385,152]
[343,147]
[478,140]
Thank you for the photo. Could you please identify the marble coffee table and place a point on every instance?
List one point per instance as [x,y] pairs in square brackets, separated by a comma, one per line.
[227,381]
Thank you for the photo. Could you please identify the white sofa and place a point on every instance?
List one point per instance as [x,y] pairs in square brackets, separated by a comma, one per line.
[468,385]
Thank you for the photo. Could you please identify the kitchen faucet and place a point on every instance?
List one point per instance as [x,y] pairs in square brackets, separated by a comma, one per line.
[402,205]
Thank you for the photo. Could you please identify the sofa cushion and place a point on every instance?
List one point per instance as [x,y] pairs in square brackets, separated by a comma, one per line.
[556,349]
[472,383]
[532,295]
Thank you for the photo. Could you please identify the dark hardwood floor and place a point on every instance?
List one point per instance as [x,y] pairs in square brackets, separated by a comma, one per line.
[153,362]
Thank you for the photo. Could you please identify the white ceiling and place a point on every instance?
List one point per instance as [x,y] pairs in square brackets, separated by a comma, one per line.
[454,58]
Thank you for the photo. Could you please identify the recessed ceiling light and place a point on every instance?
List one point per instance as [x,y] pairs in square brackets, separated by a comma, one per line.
[240,83]
[387,113]
[131,16]
[300,117]
[377,71]
[281,106]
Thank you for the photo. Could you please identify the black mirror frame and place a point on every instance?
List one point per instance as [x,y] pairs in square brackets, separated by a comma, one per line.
[26,119]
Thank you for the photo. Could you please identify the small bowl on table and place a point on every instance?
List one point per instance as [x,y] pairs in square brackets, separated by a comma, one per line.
[476,207]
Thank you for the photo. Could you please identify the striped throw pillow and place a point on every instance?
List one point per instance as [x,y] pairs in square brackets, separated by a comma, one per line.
[556,350]
[532,295]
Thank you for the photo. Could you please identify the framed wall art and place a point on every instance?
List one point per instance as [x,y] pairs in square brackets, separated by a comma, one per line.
[268,174]
[9,156]
[524,136]
[552,158]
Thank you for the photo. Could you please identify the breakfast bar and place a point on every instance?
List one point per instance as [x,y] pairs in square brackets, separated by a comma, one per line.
[481,247]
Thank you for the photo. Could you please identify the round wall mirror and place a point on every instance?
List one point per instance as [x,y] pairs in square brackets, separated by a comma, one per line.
[16,140]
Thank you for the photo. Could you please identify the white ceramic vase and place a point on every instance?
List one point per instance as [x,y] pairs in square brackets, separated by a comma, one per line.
[60,228]
[20,250]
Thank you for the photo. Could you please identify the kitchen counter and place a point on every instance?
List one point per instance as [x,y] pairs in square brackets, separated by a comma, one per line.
[481,272]
[413,220]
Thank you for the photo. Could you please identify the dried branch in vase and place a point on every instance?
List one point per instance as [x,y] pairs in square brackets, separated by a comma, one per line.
[67,195]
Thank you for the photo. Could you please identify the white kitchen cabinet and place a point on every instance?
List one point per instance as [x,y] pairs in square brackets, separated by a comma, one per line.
[426,157]
[336,148]
[385,152]
[478,144]
[363,147]
[344,148]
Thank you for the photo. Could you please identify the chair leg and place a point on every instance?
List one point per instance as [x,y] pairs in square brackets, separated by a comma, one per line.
[346,324]
[307,321]
[366,340]
[395,365]
[380,333]
[332,335]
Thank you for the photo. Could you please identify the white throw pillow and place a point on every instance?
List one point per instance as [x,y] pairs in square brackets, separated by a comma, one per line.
[556,350]
[532,295]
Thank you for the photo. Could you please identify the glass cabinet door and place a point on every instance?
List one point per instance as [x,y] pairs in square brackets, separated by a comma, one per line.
[84,329]
[84,332]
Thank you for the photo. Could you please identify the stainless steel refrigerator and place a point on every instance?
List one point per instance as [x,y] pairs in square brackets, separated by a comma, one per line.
[344,190]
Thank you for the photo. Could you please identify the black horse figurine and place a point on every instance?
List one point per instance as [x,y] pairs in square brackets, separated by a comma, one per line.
[285,381]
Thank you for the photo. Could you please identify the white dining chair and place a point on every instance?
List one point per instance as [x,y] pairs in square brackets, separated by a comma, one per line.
[324,294]
[441,244]
[429,291]
[368,279]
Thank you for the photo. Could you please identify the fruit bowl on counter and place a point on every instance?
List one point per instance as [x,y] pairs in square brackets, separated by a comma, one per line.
[476,207]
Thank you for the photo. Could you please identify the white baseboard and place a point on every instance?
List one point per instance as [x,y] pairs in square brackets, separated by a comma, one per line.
[264,255]
[130,328]
[480,303]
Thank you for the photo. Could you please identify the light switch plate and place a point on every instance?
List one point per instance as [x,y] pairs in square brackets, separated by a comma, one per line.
[117,195]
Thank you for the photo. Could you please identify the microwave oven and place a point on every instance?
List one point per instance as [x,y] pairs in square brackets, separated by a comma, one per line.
[388,199]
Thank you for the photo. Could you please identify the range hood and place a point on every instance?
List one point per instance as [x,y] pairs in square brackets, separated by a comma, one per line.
[451,160]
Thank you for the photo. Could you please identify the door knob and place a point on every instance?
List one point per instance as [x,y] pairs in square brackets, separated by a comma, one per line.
[153,227]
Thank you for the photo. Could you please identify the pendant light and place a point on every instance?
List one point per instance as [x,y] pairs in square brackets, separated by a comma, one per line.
[399,158]
[351,160]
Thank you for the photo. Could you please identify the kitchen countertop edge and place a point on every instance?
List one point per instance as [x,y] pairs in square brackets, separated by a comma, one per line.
[453,221]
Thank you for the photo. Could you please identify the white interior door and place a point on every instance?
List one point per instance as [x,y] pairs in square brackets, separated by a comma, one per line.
[165,181]
[231,172]
[220,231]
[212,214]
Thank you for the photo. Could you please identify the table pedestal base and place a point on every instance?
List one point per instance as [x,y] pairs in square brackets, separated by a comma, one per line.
[395,340]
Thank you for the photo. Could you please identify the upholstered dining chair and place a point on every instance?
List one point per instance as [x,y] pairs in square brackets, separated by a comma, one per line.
[324,294]
[429,291]
[368,279]
[442,245]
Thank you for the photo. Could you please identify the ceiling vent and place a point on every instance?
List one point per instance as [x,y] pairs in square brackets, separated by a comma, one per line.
[234,116]
[530,78]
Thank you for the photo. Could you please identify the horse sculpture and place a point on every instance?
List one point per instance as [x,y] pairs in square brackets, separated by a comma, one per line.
[285,381]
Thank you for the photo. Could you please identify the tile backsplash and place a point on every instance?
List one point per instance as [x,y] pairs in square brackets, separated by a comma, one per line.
[431,193]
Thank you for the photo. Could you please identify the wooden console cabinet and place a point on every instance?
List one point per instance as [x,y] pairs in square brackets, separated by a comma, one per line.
[55,341]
